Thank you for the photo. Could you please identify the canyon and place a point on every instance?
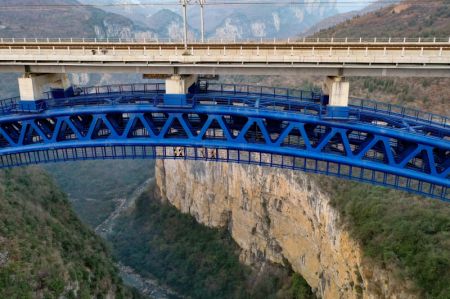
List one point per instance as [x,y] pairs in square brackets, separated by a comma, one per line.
[282,216]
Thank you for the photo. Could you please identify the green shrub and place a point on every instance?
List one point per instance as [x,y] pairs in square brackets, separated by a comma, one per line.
[48,247]
[408,234]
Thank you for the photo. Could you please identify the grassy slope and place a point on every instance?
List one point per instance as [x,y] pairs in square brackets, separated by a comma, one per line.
[45,251]
[196,261]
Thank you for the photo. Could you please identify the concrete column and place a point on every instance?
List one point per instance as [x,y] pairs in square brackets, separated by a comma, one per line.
[179,84]
[337,91]
[177,89]
[33,86]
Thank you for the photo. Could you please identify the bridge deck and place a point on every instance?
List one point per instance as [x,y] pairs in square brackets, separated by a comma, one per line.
[322,58]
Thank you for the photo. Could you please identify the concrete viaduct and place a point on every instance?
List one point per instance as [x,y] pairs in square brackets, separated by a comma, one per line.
[45,61]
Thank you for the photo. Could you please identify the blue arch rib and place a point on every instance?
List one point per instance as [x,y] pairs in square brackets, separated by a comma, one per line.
[378,146]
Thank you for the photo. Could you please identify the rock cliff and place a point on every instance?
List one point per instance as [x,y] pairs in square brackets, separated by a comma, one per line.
[282,216]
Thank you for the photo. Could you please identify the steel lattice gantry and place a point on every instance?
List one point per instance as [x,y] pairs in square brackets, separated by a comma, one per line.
[379,143]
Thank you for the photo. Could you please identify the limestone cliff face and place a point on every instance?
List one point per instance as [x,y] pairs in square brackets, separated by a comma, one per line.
[281,216]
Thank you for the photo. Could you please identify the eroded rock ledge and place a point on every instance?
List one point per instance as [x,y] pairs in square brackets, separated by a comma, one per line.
[281,216]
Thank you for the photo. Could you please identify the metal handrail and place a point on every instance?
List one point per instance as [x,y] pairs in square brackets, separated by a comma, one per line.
[156,91]
[398,110]
[7,105]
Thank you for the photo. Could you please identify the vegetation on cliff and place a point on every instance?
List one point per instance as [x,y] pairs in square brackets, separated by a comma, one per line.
[195,260]
[45,251]
[405,234]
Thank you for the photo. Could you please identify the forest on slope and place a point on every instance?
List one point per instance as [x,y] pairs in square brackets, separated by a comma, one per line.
[409,18]
[95,188]
[45,251]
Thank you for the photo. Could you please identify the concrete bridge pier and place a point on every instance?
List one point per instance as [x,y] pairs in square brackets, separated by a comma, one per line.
[33,86]
[336,89]
[178,89]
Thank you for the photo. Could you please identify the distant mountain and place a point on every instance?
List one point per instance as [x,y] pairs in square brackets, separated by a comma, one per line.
[230,21]
[167,24]
[406,19]
[342,17]
[264,21]
[65,22]
[237,26]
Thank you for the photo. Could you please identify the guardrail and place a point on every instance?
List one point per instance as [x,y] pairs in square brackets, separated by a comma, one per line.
[260,97]
[263,90]
[397,110]
[122,88]
[309,40]
[264,97]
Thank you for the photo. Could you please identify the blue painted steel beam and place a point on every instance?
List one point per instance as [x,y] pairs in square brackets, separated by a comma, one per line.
[400,150]
[229,156]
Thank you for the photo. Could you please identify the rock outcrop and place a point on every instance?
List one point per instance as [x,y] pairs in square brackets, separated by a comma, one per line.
[281,216]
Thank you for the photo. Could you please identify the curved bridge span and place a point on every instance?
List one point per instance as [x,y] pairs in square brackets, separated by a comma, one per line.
[379,143]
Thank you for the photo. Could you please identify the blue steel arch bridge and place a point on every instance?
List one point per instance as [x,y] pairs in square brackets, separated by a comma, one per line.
[376,143]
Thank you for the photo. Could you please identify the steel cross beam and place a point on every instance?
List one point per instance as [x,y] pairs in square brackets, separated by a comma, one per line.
[371,146]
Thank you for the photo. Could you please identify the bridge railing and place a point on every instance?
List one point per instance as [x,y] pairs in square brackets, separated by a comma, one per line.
[392,109]
[7,105]
[305,106]
[122,88]
[264,97]
[244,89]
[308,40]
[315,96]
[264,103]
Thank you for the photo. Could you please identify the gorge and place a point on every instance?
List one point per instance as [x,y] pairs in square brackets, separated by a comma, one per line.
[281,216]
[216,230]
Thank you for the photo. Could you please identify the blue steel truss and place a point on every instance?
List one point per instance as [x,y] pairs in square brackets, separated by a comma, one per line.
[379,143]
